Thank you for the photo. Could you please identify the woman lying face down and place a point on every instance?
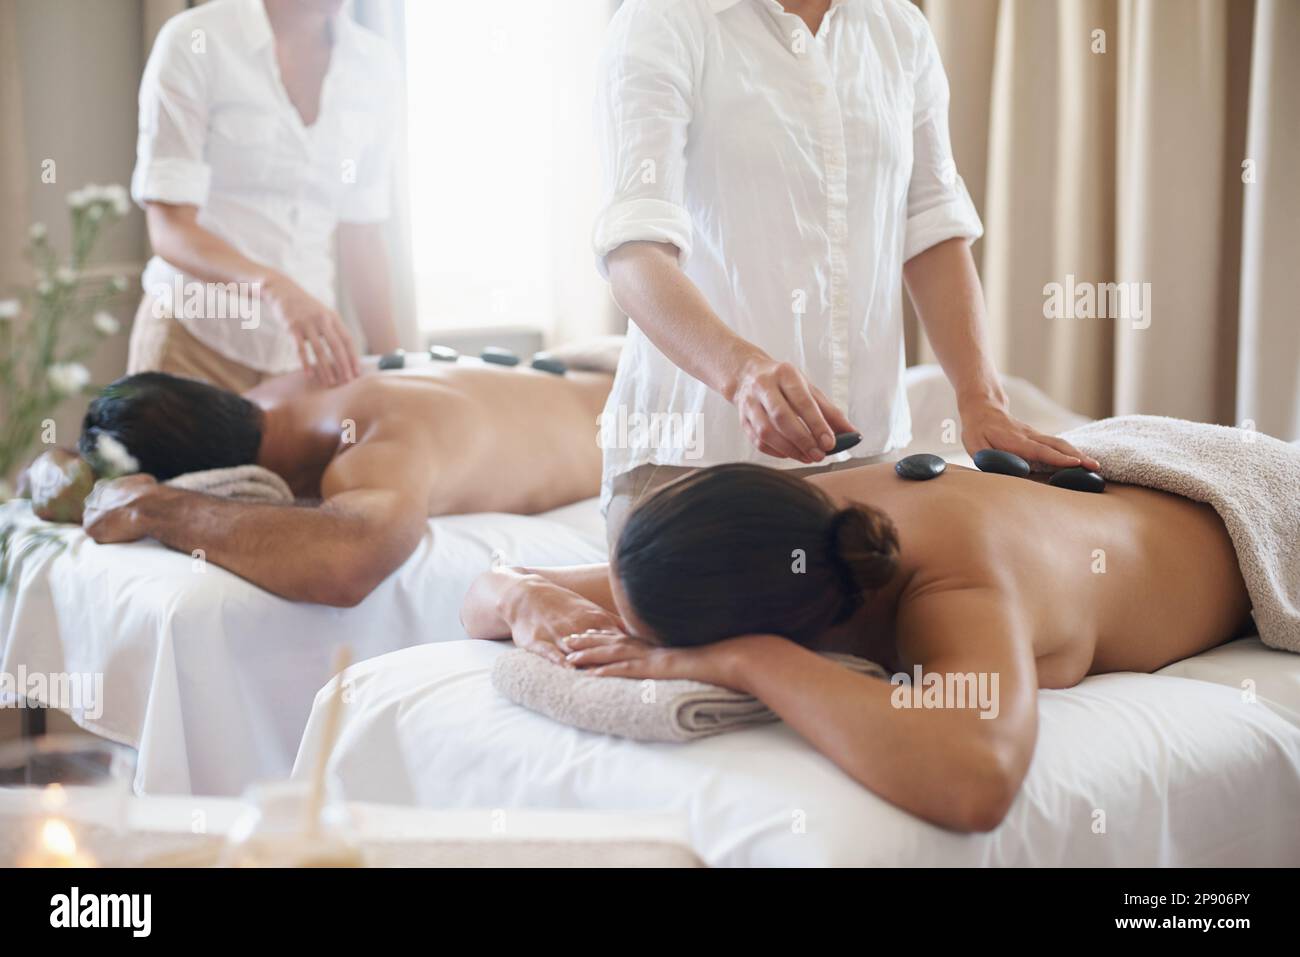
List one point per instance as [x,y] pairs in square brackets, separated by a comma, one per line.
[979,584]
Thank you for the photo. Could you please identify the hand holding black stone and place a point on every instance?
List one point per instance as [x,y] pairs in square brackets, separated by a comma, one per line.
[1001,463]
[845,441]
[920,467]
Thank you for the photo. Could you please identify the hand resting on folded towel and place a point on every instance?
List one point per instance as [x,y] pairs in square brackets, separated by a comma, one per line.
[60,482]
[643,710]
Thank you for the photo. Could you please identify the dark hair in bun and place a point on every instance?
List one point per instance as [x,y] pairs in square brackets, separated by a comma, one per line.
[864,548]
[743,549]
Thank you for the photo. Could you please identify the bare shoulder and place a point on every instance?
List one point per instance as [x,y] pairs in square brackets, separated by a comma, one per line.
[944,528]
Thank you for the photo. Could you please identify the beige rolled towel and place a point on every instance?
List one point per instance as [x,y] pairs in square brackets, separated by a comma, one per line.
[1252,480]
[643,710]
[597,354]
[242,483]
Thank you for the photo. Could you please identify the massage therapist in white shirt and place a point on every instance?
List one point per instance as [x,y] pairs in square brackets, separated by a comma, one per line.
[267,130]
[776,171]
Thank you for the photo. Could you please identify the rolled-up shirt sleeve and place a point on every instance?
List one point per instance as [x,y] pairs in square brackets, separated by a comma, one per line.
[938,206]
[171,164]
[643,114]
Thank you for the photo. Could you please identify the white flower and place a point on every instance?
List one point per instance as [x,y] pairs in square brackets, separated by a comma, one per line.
[65,275]
[112,459]
[95,212]
[44,287]
[105,323]
[10,308]
[68,378]
[117,284]
[116,196]
[37,233]
[79,199]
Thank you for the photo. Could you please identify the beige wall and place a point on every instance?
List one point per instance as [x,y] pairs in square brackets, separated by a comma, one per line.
[80,65]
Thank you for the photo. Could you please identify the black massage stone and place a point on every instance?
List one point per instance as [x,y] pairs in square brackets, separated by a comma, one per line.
[1001,463]
[545,362]
[443,353]
[920,467]
[499,356]
[1078,480]
[845,441]
[393,360]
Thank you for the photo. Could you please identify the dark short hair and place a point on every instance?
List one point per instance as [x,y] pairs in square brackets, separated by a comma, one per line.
[742,549]
[173,425]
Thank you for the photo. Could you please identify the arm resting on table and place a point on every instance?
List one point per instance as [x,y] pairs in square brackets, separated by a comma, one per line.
[947,765]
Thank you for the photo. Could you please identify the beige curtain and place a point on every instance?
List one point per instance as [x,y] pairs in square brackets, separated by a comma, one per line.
[1141,141]
[154,13]
[13,159]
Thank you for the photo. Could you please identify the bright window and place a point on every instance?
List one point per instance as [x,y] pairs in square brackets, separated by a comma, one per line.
[493,103]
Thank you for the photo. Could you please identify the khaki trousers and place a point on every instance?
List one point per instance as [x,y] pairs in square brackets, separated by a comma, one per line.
[161,344]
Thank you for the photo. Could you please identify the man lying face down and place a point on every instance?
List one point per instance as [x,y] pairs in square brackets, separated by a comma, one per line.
[381,454]
[737,575]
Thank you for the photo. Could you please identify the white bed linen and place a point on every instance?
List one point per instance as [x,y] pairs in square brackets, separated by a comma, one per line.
[210,677]
[1185,772]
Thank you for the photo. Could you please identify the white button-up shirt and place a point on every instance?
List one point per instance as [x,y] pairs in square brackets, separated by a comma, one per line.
[795,174]
[218,131]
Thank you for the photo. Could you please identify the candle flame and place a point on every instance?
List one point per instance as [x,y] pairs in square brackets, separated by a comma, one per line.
[58,839]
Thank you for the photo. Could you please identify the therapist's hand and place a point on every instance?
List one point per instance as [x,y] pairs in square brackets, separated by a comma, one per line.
[784,414]
[988,425]
[315,324]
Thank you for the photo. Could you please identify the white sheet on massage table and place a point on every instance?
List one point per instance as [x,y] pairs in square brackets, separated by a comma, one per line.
[1187,772]
[212,679]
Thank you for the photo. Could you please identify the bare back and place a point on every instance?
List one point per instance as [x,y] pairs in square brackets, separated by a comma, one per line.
[492,438]
[1128,580]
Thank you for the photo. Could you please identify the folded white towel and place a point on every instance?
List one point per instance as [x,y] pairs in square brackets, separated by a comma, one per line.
[643,710]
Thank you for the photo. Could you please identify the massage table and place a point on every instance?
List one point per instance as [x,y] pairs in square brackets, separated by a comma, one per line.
[1198,765]
[211,679]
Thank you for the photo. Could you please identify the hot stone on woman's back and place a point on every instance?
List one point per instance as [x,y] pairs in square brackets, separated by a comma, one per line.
[1001,463]
[920,467]
[1078,480]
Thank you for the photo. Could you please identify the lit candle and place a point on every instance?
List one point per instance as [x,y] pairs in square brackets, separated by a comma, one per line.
[57,847]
